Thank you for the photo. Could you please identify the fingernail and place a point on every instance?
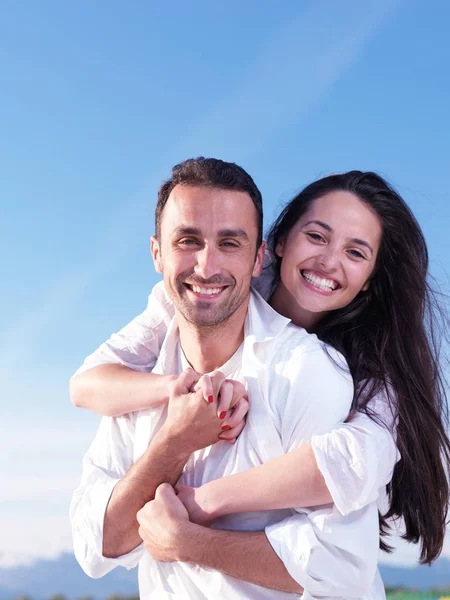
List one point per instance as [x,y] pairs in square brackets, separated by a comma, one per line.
[224,439]
[225,428]
[222,415]
[210,399]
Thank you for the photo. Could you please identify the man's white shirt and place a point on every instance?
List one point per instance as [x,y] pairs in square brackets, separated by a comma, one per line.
[297,391]
[356,459]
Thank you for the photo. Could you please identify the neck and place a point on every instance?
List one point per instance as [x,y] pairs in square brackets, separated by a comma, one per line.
[207,348]
[283,302]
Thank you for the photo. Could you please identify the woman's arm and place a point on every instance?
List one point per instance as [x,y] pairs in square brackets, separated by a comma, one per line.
[347,466]
[291,480]
[112,390]
[116,379]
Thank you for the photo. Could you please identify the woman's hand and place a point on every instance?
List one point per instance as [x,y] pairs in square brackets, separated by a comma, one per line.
[232,402]
[196,503]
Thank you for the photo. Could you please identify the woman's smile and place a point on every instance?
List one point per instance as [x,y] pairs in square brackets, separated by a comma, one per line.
[318,282]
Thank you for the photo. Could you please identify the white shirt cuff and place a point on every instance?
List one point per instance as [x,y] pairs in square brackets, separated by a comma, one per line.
[87,528]
[320,445]
[294,551]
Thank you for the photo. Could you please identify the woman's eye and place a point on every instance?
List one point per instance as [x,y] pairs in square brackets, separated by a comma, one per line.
[315,236]
[356,254]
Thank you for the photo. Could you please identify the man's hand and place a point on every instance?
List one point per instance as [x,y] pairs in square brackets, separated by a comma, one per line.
[169,536]
[163,524]
[191,422]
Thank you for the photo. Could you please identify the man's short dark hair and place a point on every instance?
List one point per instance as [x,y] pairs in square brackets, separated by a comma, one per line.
[214,173]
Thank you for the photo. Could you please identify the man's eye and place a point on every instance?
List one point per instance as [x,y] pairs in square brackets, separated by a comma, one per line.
[230,244]
[188,242]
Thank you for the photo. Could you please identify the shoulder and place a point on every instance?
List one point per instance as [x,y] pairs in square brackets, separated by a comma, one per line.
[316,384]
[296,346]
[310,386]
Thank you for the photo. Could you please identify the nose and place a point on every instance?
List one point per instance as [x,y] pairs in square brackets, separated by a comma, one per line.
[207,262]
[329,259]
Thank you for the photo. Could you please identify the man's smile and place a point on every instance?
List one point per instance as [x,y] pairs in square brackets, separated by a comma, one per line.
[201,291]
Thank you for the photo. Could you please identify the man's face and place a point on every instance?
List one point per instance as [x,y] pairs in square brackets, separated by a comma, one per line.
[207,252]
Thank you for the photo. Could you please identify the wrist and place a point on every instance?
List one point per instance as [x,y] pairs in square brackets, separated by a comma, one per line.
[165,386]
[210,500]
[171,444]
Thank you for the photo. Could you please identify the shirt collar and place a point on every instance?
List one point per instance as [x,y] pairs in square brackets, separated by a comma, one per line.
[263,323]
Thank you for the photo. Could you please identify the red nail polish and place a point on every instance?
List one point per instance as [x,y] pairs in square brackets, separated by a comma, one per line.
[222,415]
[223,439]
[225,428]
[210,399]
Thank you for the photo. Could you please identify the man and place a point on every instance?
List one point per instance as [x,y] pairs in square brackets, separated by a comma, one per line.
[208,247]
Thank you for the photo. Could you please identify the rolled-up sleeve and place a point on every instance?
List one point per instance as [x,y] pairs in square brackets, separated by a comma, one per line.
[329,555]
[137,345]
[357,459]
[108,459]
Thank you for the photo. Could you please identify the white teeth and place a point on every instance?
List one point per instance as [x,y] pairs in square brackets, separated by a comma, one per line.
[209,291]
[327,285]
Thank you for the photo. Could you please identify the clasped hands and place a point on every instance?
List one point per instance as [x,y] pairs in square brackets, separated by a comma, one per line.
[201,410]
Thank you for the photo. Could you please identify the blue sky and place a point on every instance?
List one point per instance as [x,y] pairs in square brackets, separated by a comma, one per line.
[99,100]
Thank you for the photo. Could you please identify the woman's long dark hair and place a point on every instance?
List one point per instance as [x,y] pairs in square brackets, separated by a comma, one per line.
[390,339]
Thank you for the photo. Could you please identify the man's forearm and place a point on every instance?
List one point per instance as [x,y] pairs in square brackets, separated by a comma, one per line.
[162,462]
[244,555]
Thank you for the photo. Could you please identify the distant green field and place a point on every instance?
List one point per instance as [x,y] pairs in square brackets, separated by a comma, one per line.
[414,596]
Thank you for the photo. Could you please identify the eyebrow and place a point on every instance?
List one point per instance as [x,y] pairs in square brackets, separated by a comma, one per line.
[321,223]
[186,231]
[239,233]
[328,228]
[236,233]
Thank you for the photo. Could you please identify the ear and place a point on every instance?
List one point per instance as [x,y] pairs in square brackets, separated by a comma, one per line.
[156,253]
[257,267]
[279,250]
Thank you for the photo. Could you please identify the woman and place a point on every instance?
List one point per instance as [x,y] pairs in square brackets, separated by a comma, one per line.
[350,265]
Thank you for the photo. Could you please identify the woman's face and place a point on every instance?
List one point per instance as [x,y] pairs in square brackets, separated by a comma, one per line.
[327,258]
